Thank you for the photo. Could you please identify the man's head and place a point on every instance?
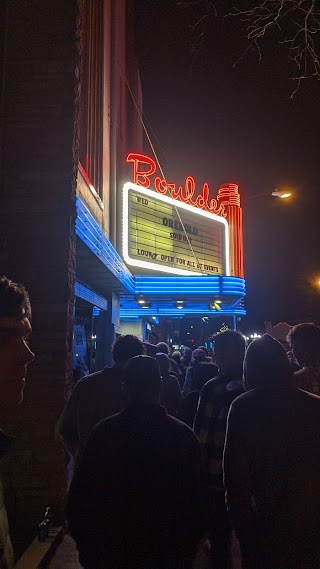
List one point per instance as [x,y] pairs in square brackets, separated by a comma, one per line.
[125,348]
[164,363]
[162,348]
[198,356]
[304,340]
[142,381]
[176,356]
[266,365]
[229,349]
[15,354]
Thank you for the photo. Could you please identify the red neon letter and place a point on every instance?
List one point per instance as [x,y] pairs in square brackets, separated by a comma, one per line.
[190,186]
[202,200]
[160,185]
[141,177]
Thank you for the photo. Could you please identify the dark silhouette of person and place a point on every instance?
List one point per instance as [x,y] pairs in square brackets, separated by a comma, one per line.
[210,426]
[171,393]
[186,357]
[129,504]
[97,396]
[203,371]
[15,355]
[304,340]
[163,348]
[176,356]
[198,356]
[272,464]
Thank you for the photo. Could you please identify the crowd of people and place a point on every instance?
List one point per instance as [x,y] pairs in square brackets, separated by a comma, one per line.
[180,451]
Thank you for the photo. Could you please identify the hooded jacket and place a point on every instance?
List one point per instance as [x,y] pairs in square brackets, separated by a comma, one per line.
[272,464]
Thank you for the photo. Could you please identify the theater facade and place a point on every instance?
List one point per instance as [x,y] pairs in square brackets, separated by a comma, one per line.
[183,247]
[179,252]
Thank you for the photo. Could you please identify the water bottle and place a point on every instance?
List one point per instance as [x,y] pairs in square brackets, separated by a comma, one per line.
[43,531]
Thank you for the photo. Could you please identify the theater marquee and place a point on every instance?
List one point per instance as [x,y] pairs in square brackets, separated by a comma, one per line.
[163,234]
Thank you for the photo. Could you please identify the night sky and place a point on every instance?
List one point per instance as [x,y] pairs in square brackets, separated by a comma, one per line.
[224,123]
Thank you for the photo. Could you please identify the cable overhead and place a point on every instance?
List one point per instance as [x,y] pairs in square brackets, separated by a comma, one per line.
[161,171]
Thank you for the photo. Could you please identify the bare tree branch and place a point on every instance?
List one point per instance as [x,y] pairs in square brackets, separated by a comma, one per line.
[298,22]
[295,22]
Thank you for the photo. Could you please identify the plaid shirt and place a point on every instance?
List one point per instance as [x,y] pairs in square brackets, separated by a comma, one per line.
[211,422]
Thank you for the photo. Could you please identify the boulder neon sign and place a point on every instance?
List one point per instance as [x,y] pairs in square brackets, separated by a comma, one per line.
[226,204]
[145,167]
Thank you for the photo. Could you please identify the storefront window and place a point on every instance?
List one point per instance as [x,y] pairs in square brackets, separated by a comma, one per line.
[87,341]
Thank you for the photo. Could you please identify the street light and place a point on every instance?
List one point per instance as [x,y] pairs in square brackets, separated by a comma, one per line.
[281,194]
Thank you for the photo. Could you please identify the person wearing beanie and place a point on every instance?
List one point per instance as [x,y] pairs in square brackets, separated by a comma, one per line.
[272,463]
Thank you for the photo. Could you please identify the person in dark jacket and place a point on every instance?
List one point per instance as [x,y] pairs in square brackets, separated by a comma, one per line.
[202,373]
[210,426]
[129,504]
[272,464]
[186,357]
[171,393]
[15,355]
[163,348]
[176,356]
[197,356]
[97,396]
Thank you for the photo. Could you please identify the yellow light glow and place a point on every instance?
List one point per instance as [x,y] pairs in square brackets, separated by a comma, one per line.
[284,196]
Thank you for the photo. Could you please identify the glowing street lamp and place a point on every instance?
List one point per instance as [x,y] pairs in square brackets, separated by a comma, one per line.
[281,194]
[317,282]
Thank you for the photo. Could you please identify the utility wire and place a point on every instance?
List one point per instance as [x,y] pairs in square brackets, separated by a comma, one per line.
[161,171]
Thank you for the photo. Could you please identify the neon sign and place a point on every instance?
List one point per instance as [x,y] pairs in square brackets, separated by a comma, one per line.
[226,205]
[144,167]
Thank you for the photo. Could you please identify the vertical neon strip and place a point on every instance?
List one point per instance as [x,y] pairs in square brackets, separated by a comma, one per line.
[229,196]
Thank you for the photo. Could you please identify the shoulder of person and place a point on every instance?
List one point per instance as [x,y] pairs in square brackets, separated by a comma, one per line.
[94,377]
[301,372]
[108,424]
[181,427]
[246,399]
[211,385]
[173,378]
[308,397]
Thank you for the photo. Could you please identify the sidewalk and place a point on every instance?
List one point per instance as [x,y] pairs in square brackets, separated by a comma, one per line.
[66,557]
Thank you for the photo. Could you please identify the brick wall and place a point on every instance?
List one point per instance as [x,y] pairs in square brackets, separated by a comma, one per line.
[37,241]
